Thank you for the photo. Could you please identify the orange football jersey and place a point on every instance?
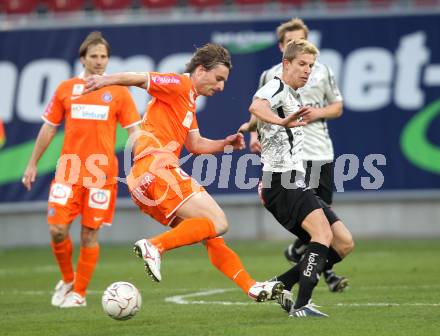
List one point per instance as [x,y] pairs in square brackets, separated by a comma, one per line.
[87,157]
[170,115]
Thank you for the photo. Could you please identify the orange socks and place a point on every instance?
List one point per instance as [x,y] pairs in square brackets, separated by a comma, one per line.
[228,262]
[188,232]
[88,257]
[63,254]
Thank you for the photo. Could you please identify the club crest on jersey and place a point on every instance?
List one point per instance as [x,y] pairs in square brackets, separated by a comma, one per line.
[106,97]
[99,198]
[78,89]
[188,119]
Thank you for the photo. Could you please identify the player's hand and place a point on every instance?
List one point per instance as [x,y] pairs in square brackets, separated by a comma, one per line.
[312,115]
[29,176]
[95,82]
[296,119]
[244,128]
[254,144]
[236,141]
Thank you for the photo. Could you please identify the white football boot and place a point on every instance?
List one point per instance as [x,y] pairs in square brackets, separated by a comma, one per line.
[151,256]
[267,290]
[61,290]
[73,300]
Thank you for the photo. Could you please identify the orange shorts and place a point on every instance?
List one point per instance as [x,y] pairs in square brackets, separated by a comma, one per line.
[95,205]
[162,193]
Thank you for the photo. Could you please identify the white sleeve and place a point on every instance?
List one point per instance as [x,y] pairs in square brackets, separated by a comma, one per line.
[332,92]
[263,79]
[272,92]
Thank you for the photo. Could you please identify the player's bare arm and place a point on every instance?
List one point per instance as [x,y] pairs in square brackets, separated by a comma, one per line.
[260,108]
[197,144]
[45,136]
[96,82]
[132,134]
[236,141]
[249,126]
[331,111]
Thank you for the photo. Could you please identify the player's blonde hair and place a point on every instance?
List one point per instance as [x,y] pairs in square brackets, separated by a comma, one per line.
[291,25]
[93,38]
[209,56]
[297,47]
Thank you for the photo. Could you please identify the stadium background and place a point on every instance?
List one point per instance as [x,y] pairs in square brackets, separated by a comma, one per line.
[387,144]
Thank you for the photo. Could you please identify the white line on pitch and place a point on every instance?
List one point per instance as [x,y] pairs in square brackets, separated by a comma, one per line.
[182,299]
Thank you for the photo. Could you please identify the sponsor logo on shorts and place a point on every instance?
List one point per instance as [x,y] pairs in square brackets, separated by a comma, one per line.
[107,97]
[146,181]
[59,193]
[99,198]
[164,80]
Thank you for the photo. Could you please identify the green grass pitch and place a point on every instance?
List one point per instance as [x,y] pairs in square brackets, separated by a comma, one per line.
[394,290]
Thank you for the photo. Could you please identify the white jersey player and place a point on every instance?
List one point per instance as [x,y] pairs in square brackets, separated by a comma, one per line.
[324,100]
[320,91]
[284,192]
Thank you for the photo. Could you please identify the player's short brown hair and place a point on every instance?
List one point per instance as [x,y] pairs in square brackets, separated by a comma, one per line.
[297,47]
[93,38]
[209,56]
[291,25]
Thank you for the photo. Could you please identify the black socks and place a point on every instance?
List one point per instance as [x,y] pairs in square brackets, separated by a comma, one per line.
[315,258]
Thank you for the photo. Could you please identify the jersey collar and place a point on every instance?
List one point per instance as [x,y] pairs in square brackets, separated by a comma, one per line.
[82,75]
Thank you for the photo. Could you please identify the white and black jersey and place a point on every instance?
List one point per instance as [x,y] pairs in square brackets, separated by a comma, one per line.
[281,146]
[319,91]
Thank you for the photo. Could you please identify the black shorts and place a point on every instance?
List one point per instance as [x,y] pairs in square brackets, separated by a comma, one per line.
[319,176]
[289,200]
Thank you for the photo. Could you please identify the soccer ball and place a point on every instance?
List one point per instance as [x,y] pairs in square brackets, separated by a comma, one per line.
[121,300]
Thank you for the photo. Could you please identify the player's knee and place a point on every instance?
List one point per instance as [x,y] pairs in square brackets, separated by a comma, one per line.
[324,236]
[345,246]
[89,237]
[58,232]
[349,245]
[221,223]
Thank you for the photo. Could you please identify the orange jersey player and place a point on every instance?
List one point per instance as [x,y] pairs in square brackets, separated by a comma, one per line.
[85,182]
[171,117]
[2,134]
[161,188]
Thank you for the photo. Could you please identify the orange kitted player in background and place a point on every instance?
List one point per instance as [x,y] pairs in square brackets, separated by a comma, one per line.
[85,181]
